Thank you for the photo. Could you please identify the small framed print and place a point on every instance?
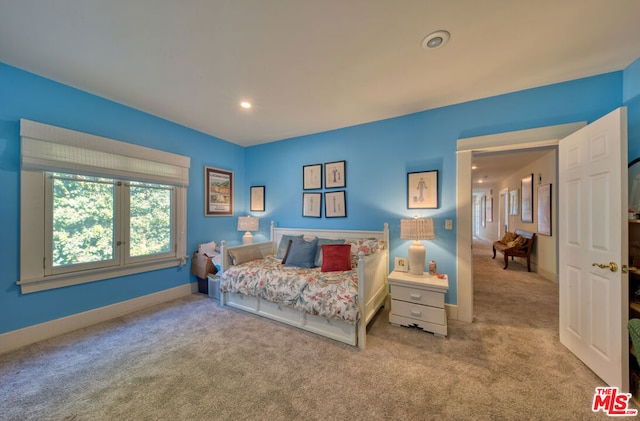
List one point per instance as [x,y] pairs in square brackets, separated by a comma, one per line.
[422,190]
[312,177]
[257,199]
[526,186]
[489,209]
[218,192]
[335,174]
[311,204]
[335,205]
[513,202]
[401,264]
[544,209]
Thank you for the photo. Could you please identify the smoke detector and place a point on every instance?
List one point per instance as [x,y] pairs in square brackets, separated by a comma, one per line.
[435,40]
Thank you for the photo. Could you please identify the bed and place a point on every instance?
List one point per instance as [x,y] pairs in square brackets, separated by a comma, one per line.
[337,304]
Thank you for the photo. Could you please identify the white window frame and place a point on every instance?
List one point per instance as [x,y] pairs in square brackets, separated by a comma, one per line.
[48,148]
[126,232]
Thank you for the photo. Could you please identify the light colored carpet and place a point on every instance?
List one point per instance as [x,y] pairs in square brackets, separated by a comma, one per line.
[190,359]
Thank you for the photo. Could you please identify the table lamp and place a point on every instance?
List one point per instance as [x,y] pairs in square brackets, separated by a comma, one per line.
[417,229]
[248,224]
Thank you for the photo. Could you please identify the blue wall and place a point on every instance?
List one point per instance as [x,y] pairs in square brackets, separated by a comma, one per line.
[631,98]
[378,157]
[24,95]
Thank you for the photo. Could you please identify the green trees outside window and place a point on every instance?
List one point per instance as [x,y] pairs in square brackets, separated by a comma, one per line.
[87,212]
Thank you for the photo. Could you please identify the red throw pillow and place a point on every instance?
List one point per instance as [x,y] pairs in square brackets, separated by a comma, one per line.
[336,257]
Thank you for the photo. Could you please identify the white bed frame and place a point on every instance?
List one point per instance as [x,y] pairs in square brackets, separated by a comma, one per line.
[372,286]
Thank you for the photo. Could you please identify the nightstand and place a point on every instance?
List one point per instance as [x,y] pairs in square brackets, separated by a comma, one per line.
[418,300]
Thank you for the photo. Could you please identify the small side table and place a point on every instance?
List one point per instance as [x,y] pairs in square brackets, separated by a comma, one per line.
[418,300]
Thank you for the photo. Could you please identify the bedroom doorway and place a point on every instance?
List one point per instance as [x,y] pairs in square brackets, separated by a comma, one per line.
[533,138]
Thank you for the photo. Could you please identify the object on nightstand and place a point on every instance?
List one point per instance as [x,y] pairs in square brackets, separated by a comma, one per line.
[432,267]
[248,224]
[401,264]
[416,229]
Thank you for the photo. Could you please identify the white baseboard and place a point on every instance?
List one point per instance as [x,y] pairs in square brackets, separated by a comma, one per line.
[452,311]
[28,335]
[553,277]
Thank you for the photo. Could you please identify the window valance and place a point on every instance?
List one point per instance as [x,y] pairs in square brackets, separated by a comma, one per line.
[51,148]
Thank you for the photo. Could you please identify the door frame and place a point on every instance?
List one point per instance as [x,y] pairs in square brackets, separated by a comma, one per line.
[522,139]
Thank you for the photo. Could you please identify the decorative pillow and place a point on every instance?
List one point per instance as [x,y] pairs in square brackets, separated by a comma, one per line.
[245,255]
[286,254]
[336,257]
[508,237]
[518,242]
[367,246]
[284,244]
[302,253]
[321,241]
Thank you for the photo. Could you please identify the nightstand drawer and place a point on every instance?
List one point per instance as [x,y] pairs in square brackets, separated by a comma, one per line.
[418,312]
[418,296]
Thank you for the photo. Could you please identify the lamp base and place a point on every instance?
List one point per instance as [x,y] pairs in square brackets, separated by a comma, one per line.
[247,238]
[417,258]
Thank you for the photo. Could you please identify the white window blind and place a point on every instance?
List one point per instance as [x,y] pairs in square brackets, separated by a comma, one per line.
[51,148]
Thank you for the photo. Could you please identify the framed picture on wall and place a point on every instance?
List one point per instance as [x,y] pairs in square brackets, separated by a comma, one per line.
[526,187]
[483,211]
[257,199]
[335,174]
[335,205]
[422,190]
[513,202]
[544,209]
[312,177]
[489,209]
[218,192]
[312,205]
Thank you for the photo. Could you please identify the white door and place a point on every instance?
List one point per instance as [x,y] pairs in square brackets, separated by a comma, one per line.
[593,229]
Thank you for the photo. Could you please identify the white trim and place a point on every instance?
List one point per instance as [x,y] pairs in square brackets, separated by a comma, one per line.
[81,277]
[523,139]
[538,137]
[464,237]
[28,335]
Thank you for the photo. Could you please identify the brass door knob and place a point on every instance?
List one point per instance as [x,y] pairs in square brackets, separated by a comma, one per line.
[612,266]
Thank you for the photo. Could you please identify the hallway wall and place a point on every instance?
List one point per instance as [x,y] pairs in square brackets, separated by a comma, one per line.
[544,259]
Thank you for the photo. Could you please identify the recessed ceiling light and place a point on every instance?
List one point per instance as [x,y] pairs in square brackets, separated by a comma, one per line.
[245,104]
[435,40]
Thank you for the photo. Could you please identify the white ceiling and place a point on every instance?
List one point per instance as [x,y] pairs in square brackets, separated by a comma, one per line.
[311,65]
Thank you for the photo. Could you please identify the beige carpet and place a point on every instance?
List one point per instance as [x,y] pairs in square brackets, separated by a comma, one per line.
[193,360]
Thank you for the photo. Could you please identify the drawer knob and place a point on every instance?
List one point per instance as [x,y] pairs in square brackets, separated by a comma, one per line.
[416,313]
[415,296]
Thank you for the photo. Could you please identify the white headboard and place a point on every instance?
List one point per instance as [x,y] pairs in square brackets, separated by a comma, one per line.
[277,233]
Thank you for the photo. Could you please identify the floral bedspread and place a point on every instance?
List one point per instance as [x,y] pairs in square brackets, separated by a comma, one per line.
[326,294]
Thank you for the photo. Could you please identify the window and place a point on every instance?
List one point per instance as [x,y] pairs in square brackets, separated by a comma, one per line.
[94,208]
